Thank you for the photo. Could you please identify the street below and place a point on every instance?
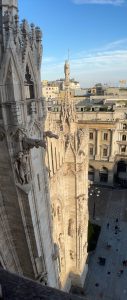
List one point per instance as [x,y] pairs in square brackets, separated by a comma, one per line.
[107,274]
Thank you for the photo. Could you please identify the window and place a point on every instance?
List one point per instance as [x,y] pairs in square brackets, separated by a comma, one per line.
[105,152]
[91,151]
[123,137]
[124,126]
[123,149]
[91,135]
[81,108]
[105,136]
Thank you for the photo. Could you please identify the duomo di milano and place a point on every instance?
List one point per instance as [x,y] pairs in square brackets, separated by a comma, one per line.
[43,170]
[44,163]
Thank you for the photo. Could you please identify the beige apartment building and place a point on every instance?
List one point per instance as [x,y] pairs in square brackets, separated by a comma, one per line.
[50,91]
[57,89]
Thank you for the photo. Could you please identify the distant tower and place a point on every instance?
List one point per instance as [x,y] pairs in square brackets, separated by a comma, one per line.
[67,72]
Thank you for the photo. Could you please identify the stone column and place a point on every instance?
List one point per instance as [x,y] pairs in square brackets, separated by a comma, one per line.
[97,156]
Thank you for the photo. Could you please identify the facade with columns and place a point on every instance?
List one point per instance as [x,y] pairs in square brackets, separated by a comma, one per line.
[107,146]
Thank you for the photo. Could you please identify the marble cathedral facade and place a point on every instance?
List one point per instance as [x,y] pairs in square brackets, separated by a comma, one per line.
[67,160]
[43,206]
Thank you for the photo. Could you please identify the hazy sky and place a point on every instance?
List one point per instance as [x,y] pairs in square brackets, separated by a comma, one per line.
[95,31]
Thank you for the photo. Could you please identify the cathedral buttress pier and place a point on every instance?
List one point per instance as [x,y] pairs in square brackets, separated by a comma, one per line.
[26,244]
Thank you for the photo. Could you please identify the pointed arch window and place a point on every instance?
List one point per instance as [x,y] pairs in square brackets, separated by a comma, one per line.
[29,85]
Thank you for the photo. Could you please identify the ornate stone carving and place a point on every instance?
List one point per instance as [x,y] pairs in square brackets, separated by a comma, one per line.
[53,210]
[80,202]
[62,262]
[7,20]
[72,254]
[43,278]
[29,143]
[67,113]
[61,241]
[56,252]
[71,227]
[22,167]
[2,136]
[59,213]
[80,136]
[67,141]
[17,135]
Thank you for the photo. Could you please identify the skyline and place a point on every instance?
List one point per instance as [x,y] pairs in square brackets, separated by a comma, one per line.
[94,33]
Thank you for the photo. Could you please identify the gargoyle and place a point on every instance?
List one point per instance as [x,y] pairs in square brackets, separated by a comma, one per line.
[50,134]
[31,143]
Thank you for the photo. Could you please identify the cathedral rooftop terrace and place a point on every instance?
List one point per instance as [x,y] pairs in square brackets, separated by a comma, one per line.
[15,287]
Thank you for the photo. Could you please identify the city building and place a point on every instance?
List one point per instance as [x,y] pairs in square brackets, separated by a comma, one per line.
[105,116]
[56,89]
[50,90]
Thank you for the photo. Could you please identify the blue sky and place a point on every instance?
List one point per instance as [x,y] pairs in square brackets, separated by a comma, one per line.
[95,31]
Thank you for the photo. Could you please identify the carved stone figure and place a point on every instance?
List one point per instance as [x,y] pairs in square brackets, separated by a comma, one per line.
[62,262]
[80,204]
[22,167]
[67,141]
[61,241]
[31,143]
[53,210]
[2,136]
[43,278]
[71,227]
[50,134]
[80,137]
